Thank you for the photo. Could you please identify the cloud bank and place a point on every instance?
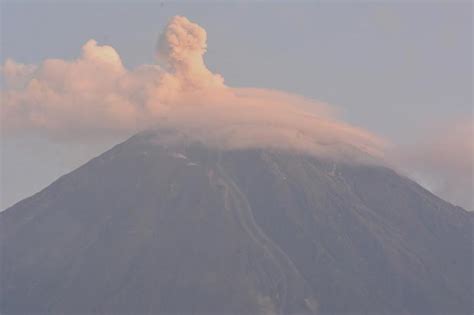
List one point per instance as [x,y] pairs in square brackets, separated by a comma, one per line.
[95,95]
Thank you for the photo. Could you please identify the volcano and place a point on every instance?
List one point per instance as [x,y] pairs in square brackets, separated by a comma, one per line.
[164,224]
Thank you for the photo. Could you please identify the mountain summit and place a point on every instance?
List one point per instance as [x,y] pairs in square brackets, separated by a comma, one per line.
[164,224]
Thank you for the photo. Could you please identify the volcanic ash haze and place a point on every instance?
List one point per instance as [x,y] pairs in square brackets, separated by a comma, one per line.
[95,95]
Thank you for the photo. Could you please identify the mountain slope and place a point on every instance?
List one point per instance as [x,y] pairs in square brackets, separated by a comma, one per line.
[165,225]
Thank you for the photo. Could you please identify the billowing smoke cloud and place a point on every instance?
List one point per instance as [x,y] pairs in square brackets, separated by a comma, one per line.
[442,160]
[181,49]
[95,95]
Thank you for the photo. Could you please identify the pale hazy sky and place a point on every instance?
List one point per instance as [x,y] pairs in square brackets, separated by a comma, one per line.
[392,68]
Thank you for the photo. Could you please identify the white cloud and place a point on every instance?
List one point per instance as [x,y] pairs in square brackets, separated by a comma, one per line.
[442,160]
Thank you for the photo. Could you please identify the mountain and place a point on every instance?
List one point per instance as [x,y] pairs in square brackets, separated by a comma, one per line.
[163,224]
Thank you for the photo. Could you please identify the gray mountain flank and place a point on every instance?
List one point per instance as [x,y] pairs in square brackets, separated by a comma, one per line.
[158,225]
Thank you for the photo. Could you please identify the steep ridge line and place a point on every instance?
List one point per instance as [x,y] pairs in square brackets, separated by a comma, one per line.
[244,213]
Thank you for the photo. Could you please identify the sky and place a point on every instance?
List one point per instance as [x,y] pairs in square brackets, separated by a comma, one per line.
[402,71]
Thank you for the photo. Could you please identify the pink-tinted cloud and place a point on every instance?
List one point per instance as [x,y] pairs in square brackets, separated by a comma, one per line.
[181,49]
[95,95]
[442,160]
[16,75]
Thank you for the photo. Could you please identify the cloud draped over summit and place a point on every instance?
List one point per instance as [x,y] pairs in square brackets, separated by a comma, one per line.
[95,95]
